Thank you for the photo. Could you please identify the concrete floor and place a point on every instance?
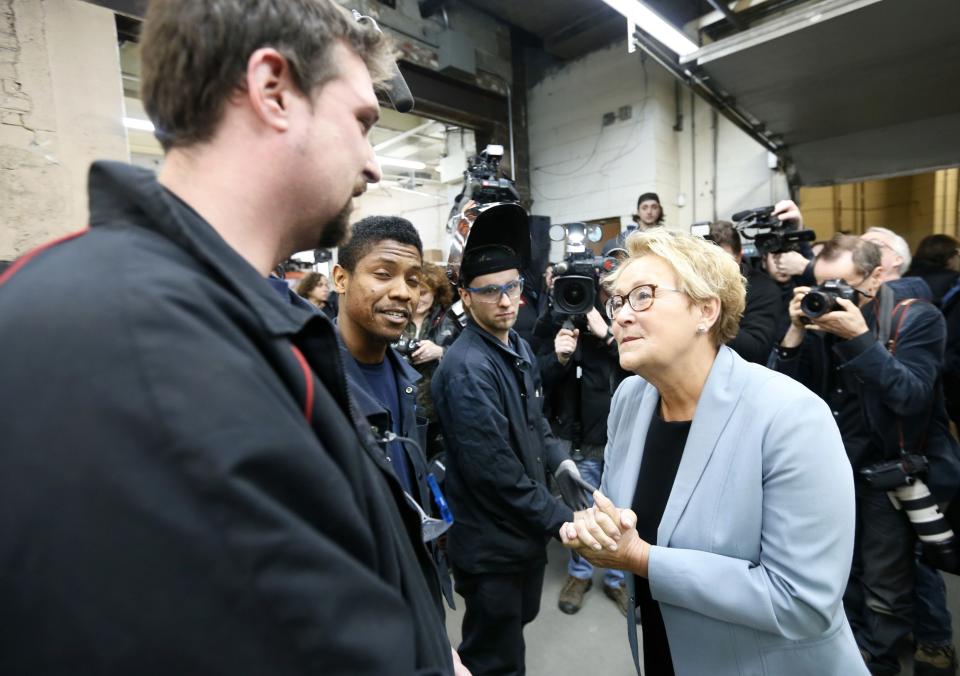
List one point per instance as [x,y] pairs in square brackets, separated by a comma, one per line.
[558,644]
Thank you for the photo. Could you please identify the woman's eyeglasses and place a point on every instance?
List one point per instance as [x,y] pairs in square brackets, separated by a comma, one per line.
[492,292]
[640,298]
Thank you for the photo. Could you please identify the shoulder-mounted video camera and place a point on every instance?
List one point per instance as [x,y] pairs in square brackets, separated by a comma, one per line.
[577,277]
[768,233]
[482,182]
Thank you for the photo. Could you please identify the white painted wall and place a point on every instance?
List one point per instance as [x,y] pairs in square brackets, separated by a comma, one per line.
[581,170]
[428,211]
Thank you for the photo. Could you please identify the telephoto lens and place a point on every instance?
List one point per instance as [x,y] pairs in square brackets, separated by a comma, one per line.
[939,543]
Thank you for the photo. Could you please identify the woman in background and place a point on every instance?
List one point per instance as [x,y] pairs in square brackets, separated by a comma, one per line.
[316,289]
[937,262]
[423,343]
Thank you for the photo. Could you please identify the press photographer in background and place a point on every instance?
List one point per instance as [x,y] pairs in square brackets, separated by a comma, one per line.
[761,318]
[875,357]
[774,241]
[577,358]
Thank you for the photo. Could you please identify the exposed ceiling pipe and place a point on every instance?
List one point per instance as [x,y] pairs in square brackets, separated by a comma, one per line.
[402,136]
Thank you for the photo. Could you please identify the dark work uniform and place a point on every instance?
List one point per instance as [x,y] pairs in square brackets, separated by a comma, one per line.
[661,459]
[383,385]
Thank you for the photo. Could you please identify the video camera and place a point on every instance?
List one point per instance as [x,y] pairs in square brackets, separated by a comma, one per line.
[768,233]
[482,183]
[577,277]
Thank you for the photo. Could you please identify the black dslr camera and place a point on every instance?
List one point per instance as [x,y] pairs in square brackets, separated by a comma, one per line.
[760,228]
[823,298]
[577,277]
[406,345]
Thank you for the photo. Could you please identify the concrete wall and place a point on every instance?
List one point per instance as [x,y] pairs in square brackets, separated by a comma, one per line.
[60,108]
[582,170]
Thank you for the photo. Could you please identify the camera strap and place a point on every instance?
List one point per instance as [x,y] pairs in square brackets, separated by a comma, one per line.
[890,321]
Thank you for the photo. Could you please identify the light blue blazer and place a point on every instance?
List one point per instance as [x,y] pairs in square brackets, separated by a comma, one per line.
[756,539]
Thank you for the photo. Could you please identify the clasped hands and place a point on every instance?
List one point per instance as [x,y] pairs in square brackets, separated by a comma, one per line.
[607,537]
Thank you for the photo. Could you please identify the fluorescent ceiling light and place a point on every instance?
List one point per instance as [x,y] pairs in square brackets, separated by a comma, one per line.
[653,23]
[138,124]
[397,162]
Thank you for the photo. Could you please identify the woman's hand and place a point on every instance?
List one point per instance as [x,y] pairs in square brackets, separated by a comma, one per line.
[428,351]
[607,537]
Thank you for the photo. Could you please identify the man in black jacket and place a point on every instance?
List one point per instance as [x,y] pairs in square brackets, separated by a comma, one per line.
[878,396]
[578,363]
[758,326]
[185,487]
[488,397]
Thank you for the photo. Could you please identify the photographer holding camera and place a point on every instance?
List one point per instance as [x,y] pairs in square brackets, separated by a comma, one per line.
[874,356]
[577,369]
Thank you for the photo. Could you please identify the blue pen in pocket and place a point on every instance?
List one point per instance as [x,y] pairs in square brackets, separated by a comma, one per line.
[439,499]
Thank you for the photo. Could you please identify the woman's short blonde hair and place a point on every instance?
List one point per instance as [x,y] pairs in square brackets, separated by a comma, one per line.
[704,271]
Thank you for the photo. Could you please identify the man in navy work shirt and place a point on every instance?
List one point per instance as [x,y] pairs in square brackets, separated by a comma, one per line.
[378,277]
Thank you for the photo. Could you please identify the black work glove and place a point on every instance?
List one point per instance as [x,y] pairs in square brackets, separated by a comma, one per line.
[576,492]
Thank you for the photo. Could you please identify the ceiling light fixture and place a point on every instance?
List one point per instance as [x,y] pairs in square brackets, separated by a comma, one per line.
[651,22]
[403,164]
[138,124]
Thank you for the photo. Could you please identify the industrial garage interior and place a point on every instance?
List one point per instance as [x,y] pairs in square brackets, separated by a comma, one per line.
[850,108]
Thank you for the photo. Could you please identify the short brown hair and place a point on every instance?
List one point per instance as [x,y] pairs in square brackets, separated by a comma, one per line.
[723,232]
[435,279]
[309,282]
[866,254]
[194,55]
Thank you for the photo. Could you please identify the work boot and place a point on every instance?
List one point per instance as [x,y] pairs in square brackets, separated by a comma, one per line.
[934,660]
[571,596]
[618,595]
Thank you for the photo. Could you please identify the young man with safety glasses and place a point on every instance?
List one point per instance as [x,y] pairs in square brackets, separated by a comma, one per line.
[488,398]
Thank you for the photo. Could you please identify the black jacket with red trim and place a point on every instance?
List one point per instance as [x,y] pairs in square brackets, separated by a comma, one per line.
[184,487]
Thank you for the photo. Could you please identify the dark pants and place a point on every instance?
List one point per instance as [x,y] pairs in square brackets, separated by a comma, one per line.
[932,622]
[497,606]
[880,594]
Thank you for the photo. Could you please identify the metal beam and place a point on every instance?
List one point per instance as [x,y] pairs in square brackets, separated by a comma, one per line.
[402,136]
[430,7]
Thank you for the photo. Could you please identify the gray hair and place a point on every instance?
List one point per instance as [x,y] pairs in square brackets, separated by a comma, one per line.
[899,246]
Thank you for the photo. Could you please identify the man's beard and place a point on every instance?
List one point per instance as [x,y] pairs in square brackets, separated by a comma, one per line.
[334,233]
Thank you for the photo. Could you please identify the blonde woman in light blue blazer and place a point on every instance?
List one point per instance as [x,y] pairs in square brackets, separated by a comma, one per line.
[754,544]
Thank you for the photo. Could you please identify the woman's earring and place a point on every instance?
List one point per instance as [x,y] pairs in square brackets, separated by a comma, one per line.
[701,328]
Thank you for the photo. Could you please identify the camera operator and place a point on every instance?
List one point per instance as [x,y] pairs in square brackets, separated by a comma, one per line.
[758,326]
[577,367]
[797,262]
[884,402]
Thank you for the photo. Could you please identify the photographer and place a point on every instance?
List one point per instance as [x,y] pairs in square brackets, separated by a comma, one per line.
[758,326]
[884,402]
[577,364]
